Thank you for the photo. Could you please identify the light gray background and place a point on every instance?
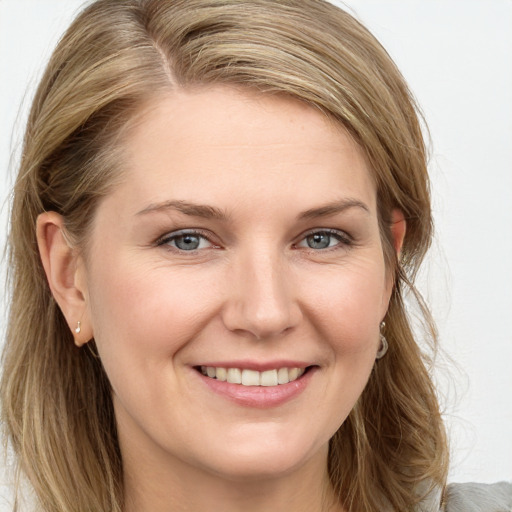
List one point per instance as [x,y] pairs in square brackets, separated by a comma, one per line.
[457,58]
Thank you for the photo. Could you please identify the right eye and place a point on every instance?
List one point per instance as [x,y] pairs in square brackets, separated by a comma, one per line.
[322,239]
[186,241]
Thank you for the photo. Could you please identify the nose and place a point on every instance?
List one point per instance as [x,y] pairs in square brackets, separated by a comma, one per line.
[261,297]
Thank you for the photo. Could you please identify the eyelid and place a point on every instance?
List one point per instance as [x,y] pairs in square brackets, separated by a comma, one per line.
[344,238]
[171,235]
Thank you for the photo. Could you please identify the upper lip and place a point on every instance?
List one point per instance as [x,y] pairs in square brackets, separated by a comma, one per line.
[260,366]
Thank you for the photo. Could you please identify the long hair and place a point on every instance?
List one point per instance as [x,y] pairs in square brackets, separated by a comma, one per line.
[118,55]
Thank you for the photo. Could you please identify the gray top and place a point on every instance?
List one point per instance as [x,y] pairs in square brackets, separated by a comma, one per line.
[472,497]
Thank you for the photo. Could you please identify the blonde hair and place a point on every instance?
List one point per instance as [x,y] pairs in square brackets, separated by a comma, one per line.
[116,56]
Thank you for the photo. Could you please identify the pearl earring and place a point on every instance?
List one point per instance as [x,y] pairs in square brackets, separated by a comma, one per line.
[78,327]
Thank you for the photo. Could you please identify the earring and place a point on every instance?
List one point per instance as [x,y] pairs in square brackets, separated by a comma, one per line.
[78,327]
[384,345]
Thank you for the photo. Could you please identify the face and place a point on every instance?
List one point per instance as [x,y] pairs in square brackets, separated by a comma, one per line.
[243,244]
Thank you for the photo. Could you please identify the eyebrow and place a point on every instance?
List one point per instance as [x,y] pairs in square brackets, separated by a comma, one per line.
[333,208]
[187,208]
[212,212]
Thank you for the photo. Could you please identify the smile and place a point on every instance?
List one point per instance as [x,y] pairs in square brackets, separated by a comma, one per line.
[247,377]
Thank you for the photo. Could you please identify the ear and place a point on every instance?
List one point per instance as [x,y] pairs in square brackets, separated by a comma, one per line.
[65,272]
[398,229]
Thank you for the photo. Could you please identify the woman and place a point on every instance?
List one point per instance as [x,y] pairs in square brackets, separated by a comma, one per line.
[228,200]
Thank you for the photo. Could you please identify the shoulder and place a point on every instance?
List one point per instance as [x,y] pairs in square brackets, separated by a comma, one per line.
[473,497]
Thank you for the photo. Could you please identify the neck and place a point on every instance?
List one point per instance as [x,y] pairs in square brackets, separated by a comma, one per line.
[179,487]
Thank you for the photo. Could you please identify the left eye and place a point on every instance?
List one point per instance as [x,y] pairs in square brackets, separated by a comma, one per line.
[322,240]
[186,241]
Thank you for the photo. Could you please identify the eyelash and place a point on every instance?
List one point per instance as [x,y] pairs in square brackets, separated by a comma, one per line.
[170,237]
[342,237]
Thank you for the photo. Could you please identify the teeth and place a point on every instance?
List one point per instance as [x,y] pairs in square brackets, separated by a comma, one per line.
[250,378]
[221,374]
[253,377]
[283,376]
[234,376]
[269,378]
[293,373]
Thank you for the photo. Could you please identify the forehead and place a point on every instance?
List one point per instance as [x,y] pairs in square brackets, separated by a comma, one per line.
[195,141]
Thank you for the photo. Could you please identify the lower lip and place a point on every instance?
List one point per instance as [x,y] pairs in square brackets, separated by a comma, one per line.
[258,396]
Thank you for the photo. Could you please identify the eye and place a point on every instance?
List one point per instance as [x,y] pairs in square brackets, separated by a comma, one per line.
[324,239]
[186,241]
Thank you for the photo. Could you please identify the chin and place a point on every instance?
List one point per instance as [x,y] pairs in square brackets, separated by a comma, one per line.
[252,469]
[271,458]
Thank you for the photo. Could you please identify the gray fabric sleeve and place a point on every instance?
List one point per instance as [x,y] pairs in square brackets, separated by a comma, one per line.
[473,497]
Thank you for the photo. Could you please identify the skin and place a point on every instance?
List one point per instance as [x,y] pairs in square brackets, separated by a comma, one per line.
[254,290]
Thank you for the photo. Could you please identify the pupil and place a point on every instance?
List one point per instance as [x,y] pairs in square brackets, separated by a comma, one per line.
[187,242]
[319,240]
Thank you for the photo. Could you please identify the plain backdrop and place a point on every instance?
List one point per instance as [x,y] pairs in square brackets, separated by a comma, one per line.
[457,57]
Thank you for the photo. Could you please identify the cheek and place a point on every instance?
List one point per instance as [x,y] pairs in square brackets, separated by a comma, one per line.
[141,316]
[348,306]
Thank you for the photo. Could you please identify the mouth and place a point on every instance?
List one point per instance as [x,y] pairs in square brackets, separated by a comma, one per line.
[252,378]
